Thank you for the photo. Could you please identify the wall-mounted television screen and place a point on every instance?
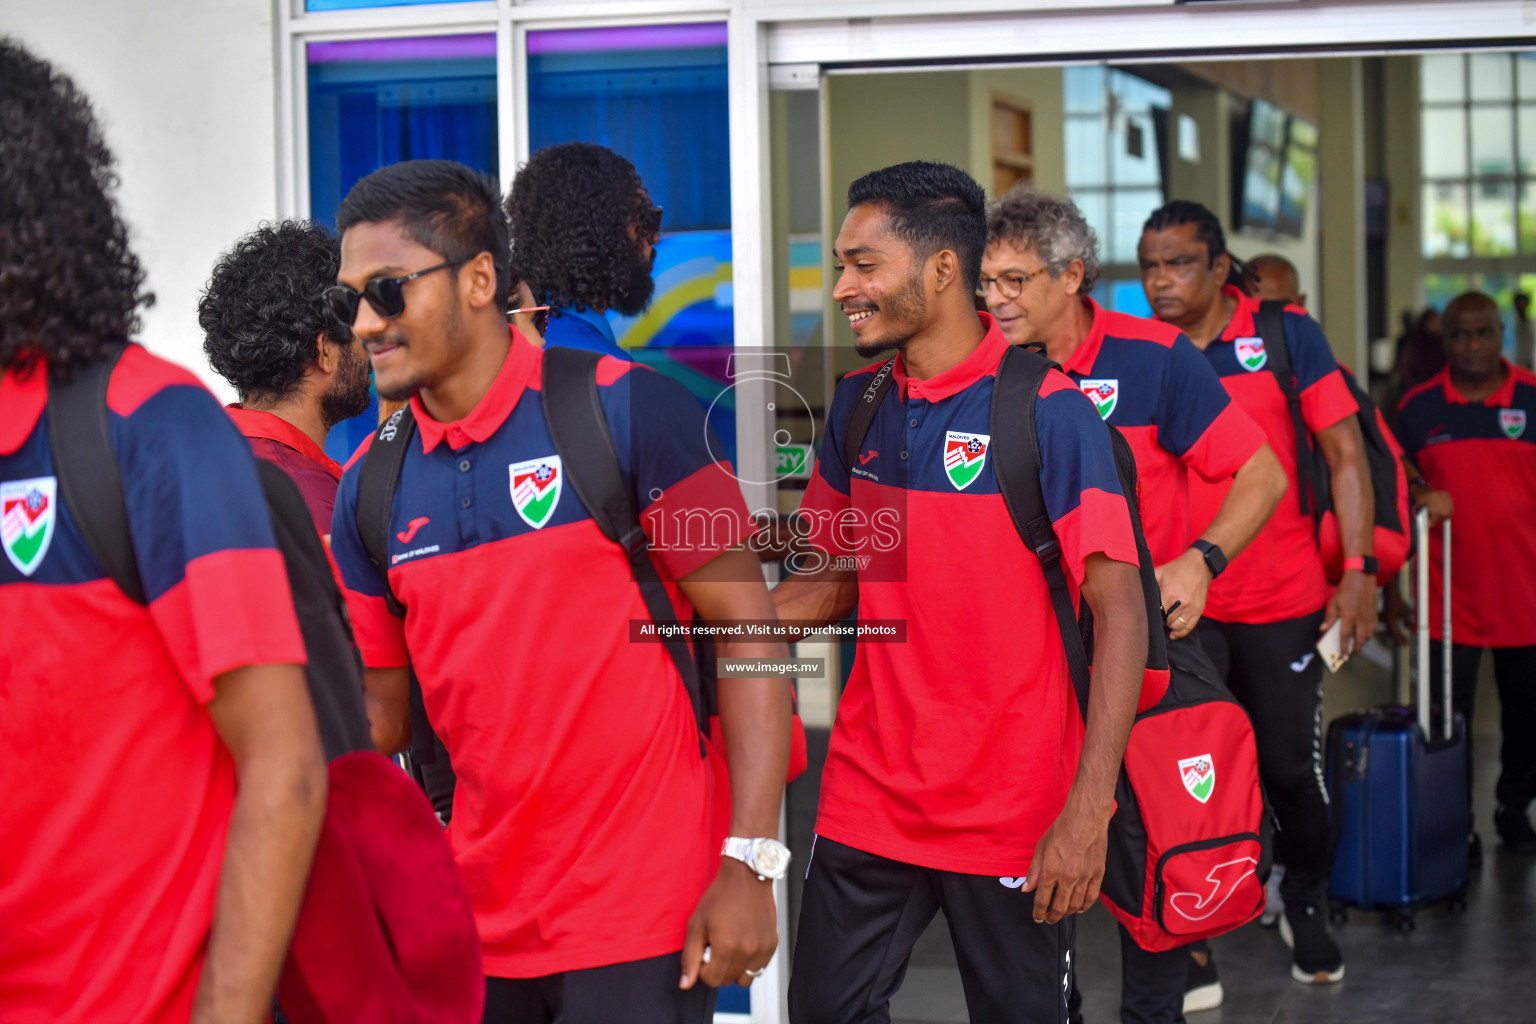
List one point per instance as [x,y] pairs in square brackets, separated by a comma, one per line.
[1259,185]
[1296,170]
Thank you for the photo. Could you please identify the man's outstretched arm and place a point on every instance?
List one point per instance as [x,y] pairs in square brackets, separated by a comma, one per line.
[736,917]
[263,715]
[1068,866]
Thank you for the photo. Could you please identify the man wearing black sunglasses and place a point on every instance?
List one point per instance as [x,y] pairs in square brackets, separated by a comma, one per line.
[582,815]
[584,234]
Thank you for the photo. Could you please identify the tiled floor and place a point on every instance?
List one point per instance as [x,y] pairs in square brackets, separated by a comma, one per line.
[1478,967]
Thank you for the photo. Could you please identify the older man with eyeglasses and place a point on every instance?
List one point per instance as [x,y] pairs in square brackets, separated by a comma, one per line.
[1147,379]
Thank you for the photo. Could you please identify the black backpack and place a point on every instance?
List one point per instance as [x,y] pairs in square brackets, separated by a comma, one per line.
[1314,484]
[573,412]
[1016,462]
[91,484]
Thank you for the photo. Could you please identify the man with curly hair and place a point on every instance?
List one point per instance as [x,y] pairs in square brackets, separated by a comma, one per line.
[163,779]
[584,233]
[297,370]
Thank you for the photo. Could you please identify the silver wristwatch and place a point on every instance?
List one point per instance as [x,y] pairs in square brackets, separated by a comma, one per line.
[768,857]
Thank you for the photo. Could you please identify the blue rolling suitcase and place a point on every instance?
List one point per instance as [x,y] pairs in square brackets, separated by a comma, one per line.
[1399,790]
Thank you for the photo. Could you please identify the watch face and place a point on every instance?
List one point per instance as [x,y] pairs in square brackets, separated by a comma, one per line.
[771,859]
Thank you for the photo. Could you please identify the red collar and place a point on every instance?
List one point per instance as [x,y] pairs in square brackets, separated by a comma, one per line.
[1502,398]
[491,411]
[23,397]
[1241,324]
[981,362]
[1083,357]
[259,423]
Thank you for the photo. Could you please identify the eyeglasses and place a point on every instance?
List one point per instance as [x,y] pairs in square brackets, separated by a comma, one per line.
[385,294]
[1008,285]
[648,225]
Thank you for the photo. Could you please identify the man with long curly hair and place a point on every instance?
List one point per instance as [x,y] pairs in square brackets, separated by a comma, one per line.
[163,778]
[584,233]
[298,370]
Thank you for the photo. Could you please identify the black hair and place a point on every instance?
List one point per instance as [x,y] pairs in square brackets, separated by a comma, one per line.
[69,283]
[441,205]
[571,208]
[263,310]
[1207,230]
[932,206]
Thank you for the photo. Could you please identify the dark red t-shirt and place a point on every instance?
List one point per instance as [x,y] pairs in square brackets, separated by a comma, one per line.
[117,790]
[955,750]
[1484,455]
[581,822]
[1279,575]
[284,445]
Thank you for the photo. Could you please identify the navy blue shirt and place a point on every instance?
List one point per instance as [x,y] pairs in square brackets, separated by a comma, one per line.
[578,327]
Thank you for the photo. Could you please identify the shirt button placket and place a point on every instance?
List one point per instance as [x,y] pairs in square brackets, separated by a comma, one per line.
[464,497]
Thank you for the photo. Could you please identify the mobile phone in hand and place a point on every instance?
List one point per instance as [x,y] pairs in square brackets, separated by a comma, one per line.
[1330,647]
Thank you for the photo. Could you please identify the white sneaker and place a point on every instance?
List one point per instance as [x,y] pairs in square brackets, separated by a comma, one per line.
[1202,988]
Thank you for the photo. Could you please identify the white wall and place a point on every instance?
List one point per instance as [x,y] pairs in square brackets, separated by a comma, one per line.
[185,94]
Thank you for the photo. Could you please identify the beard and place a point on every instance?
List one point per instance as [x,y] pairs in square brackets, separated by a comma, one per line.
[348,395]
[632,295]
[905,310]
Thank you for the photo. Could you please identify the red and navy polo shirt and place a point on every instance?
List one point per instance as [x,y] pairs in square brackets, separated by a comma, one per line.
[284,445]
[955,750]
[1149,380]
[1484,454]
[117,789]
[581,819]
[1279,575]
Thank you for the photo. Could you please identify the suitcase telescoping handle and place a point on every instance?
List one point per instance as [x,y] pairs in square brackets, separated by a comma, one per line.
[1421,600]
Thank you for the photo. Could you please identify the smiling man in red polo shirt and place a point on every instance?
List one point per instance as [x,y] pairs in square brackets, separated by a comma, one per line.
[298,371]
[1468,429]
[581,817]
[960,776]
[1265,614]
[1148,380]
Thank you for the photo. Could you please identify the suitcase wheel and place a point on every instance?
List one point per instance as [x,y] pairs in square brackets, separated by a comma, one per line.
[1338,913]
[1404,920]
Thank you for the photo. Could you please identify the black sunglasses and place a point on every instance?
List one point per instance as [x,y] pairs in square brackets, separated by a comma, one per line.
[385,294]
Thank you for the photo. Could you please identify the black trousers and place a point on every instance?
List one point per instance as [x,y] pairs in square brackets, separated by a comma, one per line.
[1151,985]
[636,992]
[861,915]
[1514,672]
[1276,674]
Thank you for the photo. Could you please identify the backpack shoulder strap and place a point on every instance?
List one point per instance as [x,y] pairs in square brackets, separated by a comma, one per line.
[573,412]
[376,482]
[1269,321]
[1016,462]
[90,480]
[334,669]
[865,408]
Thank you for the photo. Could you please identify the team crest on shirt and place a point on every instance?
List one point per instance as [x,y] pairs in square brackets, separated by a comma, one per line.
[964,455]
[536,486]
[1512,422]
[1105,393]
[28,512]
[1250,352]
[1199,774]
